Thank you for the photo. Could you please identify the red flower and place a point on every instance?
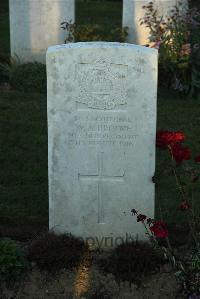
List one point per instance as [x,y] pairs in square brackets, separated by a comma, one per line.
[184,206]
[197,159]
[165,138]
[159,229]
[180,153]
[141,218]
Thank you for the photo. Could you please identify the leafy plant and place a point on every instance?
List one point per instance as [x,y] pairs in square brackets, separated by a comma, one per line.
[93,32]
[7,66]
[186,173]
[12,260]
[177,39]
[28,77]
[52,252]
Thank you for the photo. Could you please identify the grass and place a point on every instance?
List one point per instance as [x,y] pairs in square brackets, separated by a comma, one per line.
[4,28]
[23,153]
[175,113]
[99,12]
[23,156]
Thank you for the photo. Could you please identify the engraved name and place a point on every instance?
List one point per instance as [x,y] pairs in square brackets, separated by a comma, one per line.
[105,130]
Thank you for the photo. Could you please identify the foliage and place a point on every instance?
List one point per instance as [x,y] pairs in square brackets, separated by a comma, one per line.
[28,77]
[190,275]
[186,172]
[12,261]
[93,32]
[178,41]
[52,252]
[131,261]
[7,67]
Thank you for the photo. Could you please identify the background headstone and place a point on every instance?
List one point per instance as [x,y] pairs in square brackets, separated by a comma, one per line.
[101,128]
[35,25]
[133,12]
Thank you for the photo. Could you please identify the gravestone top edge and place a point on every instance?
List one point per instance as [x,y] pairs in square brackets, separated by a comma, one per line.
[101,45]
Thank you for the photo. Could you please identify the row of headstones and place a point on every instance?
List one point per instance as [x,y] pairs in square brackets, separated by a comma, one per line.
[35,24]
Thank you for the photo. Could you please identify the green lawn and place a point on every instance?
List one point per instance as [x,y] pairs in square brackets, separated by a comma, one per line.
[4,28]
[99,12]
[176,114]
[23,153]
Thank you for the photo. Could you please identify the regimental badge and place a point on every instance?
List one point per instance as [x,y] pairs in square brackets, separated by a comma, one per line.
[101,84]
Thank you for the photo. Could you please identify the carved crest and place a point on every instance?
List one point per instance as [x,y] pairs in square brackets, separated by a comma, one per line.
[101,84]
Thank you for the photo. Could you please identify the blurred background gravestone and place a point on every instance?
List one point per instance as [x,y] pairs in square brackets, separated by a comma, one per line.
[133,11]
[35,25]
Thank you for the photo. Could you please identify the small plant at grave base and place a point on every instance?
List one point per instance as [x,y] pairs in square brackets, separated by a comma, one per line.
[12,261]
[131,261]
[186,174]
[7,67]
[28,77]
[178,41]
[84,33]
[52,252]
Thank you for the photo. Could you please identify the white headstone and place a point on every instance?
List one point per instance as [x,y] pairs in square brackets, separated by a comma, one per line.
[133,11]
[35,25]
[101,128]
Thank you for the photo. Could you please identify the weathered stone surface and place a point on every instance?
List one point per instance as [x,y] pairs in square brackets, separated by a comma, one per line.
[35,25]
[133,12]
[101,128]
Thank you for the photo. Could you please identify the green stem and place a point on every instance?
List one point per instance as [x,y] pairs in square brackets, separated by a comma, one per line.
[182,192]
[167,239]
[192,230]
[148,233]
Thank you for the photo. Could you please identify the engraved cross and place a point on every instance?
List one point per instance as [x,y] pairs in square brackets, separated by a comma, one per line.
[100,178]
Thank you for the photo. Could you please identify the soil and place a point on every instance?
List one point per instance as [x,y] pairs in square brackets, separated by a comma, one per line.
[87,282]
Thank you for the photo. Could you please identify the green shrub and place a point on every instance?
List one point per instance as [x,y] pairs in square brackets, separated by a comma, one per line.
[190,277]
[94,32]
[28,77]
[132,261]
[12,261]
[84,33]
[177,37]
[52,252]
[4,63]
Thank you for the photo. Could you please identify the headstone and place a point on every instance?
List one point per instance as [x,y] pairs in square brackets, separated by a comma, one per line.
[133,11]
[101,128]
[35,25]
